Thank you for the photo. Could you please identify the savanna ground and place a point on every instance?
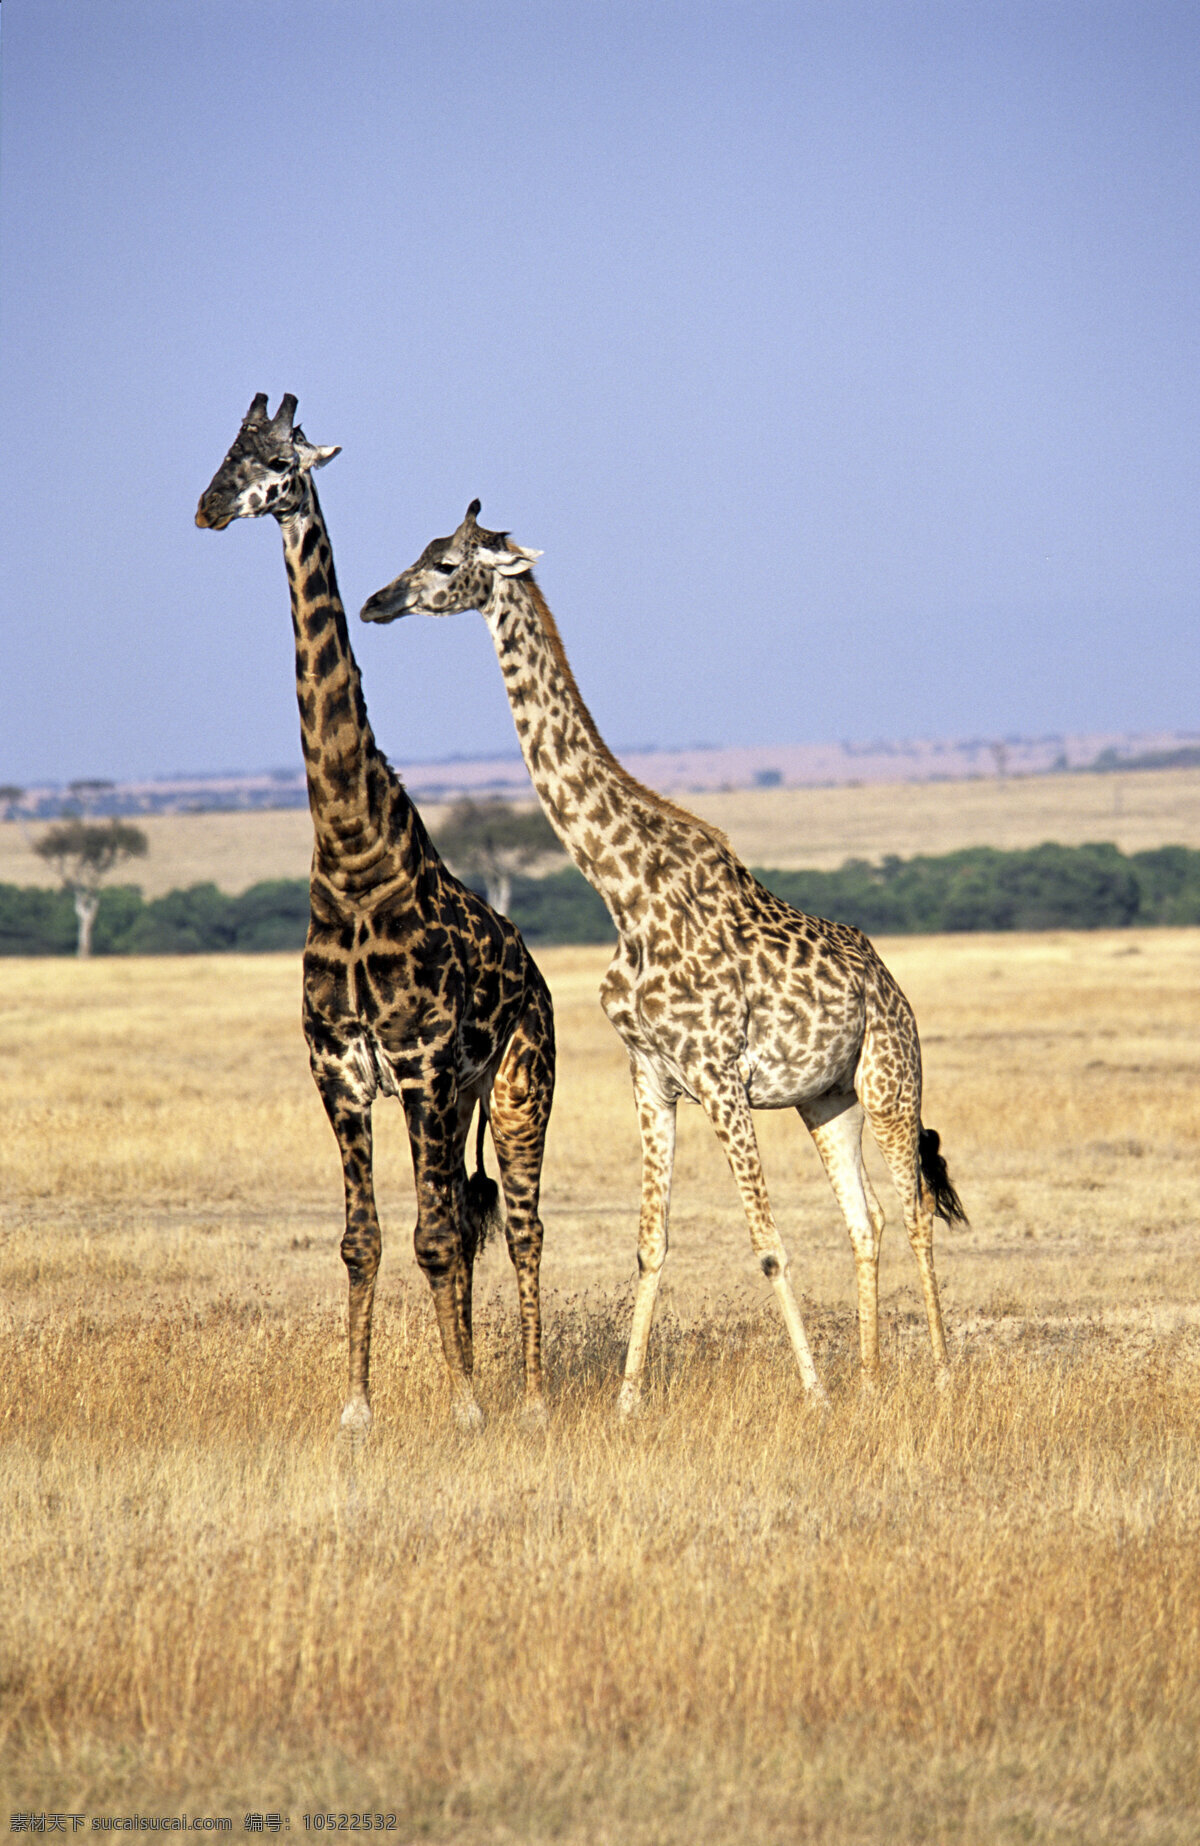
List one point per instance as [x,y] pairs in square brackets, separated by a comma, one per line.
[791,829]
[964,1614]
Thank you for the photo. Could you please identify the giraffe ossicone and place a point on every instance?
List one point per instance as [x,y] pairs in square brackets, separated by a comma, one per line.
[723,994]
[413,986]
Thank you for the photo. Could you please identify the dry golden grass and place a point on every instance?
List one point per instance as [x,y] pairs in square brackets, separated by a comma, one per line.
[234,851]
[794,828]
[783,827]
[971,1614]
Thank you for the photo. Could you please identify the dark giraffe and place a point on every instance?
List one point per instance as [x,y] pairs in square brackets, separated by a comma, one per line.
[413,987]
[723,994]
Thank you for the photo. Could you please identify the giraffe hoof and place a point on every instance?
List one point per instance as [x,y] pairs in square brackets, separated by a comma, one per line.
[356,1418]
[467,1414]
[354,1429]
[534,1414]
[629,1403]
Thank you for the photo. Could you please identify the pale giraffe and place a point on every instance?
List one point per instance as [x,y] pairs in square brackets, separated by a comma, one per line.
[413,987]
[723,995]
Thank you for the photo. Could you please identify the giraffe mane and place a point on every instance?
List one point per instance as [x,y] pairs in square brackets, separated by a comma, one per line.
[660,802]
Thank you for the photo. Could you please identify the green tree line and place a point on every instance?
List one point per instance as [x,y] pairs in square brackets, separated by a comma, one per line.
[980,888]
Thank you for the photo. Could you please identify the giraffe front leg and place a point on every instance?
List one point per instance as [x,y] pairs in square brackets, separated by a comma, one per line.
[656,1120]
[350,1117]
[725,1102]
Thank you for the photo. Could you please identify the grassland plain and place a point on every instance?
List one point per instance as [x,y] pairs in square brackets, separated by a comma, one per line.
[788,828]
[970,1614]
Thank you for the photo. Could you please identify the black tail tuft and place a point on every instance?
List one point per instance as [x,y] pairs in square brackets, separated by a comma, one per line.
[946,1202]
[483,1194]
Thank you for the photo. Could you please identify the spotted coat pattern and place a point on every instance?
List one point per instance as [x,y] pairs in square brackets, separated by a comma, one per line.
[413,987]
[723,994]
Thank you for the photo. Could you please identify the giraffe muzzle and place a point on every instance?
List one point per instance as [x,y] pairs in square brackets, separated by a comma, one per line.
[213,524]
[387,605]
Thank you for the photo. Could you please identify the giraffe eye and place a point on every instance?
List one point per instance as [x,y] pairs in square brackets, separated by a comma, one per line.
[445,569]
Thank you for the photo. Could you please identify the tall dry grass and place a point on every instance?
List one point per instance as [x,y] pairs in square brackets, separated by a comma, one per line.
[984,1601]
[968,1614]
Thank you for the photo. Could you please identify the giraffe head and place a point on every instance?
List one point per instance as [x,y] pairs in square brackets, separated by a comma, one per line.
[452,574]
[266,470]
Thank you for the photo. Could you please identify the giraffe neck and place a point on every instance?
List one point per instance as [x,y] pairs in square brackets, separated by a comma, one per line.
[363,821]
[612,826]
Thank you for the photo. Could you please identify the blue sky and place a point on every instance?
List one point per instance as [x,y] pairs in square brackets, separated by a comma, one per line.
[842,359]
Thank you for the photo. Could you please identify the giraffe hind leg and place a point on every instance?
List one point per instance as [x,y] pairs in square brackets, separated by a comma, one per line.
[437,1134]
[482,1194]
[471,1213]
[835,1123]
[519,1113]
[898,1136]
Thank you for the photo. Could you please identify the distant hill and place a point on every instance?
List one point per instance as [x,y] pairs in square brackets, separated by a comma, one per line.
[789,828]
[701,769]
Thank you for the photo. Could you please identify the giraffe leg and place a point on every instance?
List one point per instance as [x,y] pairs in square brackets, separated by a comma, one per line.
[656,1120]
[836,1124]
[898,1138]
[349,1114]
[468,1234]
[520,1111]
[434,1135]
[725,1102]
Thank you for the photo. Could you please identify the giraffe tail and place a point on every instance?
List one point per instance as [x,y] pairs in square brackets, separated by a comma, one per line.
[483,1194]
[935,1178]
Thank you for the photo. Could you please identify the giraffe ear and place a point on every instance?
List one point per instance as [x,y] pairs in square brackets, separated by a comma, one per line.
[309,456]
[510,560]
[517,561]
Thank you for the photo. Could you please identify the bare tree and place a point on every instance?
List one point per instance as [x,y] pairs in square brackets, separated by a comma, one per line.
[83,853]
[487,842]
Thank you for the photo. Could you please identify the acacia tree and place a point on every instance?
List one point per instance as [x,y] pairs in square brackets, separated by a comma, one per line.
[83,853]
[487,842]
[87,790]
